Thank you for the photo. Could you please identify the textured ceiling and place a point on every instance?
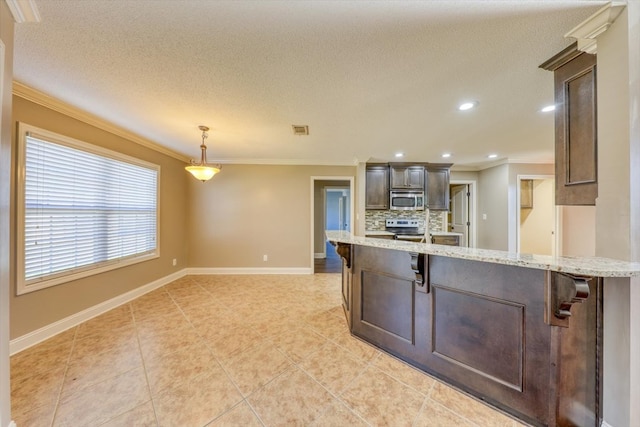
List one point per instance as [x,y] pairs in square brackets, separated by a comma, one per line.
[370,78]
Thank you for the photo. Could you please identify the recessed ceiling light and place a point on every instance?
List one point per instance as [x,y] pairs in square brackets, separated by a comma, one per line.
[548,108]
[468,105]
[492,156]
[399,154]
[446,155]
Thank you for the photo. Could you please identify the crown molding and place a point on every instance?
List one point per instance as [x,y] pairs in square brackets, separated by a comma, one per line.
[558,60]
[30,94]
[587,32]
[24,11]
[281,162]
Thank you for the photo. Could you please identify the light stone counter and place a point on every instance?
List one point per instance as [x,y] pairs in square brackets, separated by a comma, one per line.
[378,233]
[445,233]
[583,266]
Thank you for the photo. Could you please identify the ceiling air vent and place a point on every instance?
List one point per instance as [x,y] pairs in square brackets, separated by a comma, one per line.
[300,130]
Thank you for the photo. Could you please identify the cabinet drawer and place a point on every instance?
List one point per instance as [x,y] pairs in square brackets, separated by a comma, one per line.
[446,240]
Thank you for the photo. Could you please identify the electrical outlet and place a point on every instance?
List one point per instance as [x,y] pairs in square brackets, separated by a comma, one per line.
[265,258]
[484,216]
[175,262]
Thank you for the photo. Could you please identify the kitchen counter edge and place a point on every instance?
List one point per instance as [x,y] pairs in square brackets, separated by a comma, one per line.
[581,266]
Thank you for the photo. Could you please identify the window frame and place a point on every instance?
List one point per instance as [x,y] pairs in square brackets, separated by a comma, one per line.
[22,285]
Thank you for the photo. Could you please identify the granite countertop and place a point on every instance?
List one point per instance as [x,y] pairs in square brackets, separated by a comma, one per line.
[584,266]
[378,233]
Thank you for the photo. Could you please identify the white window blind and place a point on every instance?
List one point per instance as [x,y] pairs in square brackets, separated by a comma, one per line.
[83,210]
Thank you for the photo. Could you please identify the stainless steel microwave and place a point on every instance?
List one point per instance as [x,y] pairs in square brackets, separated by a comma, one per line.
[406,200]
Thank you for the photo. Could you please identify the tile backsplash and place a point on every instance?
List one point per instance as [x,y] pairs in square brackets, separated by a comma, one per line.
[375,219]
[437,220]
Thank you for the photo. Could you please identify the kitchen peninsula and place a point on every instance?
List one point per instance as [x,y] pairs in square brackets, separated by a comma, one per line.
[521,332]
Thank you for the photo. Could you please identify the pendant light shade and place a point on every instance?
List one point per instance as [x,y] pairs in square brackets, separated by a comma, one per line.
[202,173]
[201,170]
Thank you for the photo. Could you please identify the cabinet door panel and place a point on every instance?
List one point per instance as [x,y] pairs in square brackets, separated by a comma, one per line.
[581,137]
[415,178]
[387,304]
[494,350]
[576,132]
[377,187]
[407,177]
[487,331]
[437,189]
[398,177]
[387,309]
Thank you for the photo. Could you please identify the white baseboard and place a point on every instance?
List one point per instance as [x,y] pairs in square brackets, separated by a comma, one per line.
[248,270]
[605,424]
[319,255]
[32,338]
[12,424]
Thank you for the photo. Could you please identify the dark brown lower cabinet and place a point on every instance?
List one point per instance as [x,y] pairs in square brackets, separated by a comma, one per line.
[486,328]
[387,309]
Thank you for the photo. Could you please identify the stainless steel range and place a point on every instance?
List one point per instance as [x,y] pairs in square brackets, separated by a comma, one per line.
[405,229]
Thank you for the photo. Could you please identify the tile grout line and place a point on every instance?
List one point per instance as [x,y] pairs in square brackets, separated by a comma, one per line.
[144,365]
[64,376]
[337,396]
[424,402]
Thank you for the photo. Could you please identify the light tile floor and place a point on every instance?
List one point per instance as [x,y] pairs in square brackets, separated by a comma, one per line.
[230,351]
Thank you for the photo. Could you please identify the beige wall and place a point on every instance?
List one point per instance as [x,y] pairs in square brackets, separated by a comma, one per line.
[493,202]
[633,54]
[618,210]
[40,308]
[248,211]
[358,222]
[497,199]
[464,175]
[578,231]
[537,223]
[6,77]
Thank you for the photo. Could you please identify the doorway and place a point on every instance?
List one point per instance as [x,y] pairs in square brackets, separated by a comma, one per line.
[459,212]
[332,208]
[536,215]
[337,215]
[462,208]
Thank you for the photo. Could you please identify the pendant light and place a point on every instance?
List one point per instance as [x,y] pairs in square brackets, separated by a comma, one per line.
[201,170]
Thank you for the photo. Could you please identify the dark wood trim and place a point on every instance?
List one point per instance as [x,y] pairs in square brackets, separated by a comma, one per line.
[566,290]
[558,60]
[344,250]
[418,266]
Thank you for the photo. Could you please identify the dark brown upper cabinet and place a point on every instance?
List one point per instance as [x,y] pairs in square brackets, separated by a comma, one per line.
[377,186]
[407,177]
[576,136]
[437,186]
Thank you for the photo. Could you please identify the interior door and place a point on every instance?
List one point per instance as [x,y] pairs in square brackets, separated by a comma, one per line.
[341,213]
[460,212]
[344,212]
